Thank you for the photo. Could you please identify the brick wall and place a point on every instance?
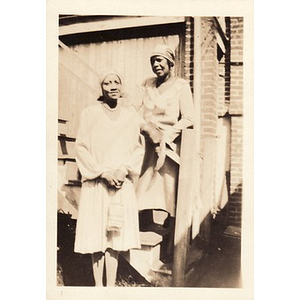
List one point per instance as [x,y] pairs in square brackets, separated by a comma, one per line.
[209,98]
[188,51]
[236,161]
[236,113]
[209,79]
[221,97]
[236,66]
[209,72]
[228,82]
[209,108]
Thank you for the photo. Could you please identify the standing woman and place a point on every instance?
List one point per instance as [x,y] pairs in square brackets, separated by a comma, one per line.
[166,105]
[109,156]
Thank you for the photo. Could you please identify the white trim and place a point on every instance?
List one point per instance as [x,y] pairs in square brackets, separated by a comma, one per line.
[221,29]
[220,42]
[222,24]
[117,23]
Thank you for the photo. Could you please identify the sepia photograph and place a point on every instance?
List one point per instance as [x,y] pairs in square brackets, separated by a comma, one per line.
[129,155]
[150,151]
[150,123]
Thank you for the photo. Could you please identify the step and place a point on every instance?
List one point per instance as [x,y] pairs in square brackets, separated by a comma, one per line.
[146,259]
[150,238]
[158,229]
[233,231]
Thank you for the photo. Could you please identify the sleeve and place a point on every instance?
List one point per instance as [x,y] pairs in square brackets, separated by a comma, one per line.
[147,130]
[136,97]
[88,166]
[138,103]
[186,120]
[132,166]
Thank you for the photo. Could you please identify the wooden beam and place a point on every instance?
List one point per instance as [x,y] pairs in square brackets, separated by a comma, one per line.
[183,218]
[82,61]
[117,23]
[190,139]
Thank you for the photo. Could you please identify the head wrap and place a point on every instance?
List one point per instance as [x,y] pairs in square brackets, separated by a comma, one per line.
[164,51]
[104,74]
[102,77]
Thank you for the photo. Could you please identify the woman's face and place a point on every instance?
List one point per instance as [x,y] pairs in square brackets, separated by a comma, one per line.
[160,66]
[111,87]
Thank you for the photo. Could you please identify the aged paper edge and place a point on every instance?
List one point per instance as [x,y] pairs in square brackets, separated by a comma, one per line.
[181,8]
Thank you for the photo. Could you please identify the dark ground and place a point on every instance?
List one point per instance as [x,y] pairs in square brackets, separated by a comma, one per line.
[219,266]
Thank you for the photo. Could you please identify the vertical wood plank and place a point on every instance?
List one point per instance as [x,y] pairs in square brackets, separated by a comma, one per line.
[183,210]
[190,139]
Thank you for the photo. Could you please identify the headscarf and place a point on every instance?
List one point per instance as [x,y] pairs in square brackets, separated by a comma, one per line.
[103,75]
[164,51]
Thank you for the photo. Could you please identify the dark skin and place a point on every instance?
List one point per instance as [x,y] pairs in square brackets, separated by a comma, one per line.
[111,89]
[161,67]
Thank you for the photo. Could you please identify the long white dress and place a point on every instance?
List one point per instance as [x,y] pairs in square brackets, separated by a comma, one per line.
[107,139]
[169,111]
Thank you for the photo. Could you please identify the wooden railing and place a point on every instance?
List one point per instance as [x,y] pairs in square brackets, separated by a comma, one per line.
[184,208]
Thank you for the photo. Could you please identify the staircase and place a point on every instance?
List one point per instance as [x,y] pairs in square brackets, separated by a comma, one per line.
[150,261]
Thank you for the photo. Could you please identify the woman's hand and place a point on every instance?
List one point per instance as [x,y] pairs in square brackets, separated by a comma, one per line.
[170,135]
[111,180]
[152,134]
[120,176]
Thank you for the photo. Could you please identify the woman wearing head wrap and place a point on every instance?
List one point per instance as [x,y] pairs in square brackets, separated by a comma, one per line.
[166,105]
[109,156]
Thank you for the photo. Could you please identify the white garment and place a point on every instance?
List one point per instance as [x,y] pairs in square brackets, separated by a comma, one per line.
[170,111]
[108,139]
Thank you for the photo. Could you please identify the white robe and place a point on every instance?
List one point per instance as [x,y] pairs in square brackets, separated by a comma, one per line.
[108,139]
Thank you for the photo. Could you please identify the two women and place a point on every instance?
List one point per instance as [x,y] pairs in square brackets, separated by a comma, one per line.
[110,156]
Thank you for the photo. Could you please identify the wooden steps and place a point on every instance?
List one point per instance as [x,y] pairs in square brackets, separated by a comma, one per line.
[149,261]
[148,257]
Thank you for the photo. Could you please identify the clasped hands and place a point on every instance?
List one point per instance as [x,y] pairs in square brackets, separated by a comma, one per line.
[114,179]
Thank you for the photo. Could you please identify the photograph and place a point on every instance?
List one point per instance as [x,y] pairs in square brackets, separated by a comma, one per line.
[150,135]
[157,150]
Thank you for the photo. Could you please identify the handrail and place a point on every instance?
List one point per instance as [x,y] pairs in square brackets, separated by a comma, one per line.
[184,206]
[65,47]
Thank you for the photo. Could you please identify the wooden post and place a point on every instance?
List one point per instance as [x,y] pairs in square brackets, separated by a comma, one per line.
[183,209]
[190,145]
